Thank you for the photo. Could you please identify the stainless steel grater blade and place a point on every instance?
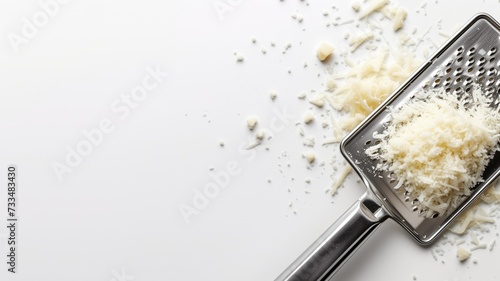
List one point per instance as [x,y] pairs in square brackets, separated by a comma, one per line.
[470,57]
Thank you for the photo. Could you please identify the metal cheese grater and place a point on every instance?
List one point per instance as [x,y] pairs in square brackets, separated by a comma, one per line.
[470,56]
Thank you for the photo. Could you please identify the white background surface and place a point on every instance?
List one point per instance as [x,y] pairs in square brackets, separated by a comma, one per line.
[116,215]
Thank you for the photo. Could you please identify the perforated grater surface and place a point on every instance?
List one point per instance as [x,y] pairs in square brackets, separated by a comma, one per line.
[470,57]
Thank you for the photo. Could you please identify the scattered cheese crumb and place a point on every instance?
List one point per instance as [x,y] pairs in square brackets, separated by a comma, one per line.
[308,117]
[221,143]
[252,122]
[359,39]
[309,141]
[273,95]
[463,222]
[356,6]
[239,57]
[324,51]
[260,135]
[462,253]
[254,145]
[492,245]
[302,95]
[372,6]
[474,239]
[340,179]
[310,156]
[331,84]
[399,18]
[301,131]
[318,101]
[480,246]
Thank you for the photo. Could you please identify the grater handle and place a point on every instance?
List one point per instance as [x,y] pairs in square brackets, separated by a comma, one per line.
[334,247]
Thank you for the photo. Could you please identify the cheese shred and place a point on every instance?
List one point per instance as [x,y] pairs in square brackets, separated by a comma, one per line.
[368,84]
[438,146]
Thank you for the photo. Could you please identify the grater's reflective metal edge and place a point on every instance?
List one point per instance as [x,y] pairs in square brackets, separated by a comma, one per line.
[471,55]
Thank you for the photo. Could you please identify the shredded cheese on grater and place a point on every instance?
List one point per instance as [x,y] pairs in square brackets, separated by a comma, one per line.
[368,84]
[438,145]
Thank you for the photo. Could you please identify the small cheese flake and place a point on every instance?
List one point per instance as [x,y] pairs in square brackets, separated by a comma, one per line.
[492,245]
[473,239]
[239,57]
[273,95]
[308,117]
[254,145]
[221,143]
[288,46]
[359,39]
[318,101]
[331,84]
[260,135]
[399,18]
[356,6]
[479,246]
[302,95]
[301,131]
[340,179]
[463,223]
[252,122]
[324,51]
[437,146]
[310,156]
[309,141]
[444,34]
[462,253]
[372,6]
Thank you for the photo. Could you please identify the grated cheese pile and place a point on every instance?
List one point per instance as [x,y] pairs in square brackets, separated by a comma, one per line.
[438,145]
[368,84]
